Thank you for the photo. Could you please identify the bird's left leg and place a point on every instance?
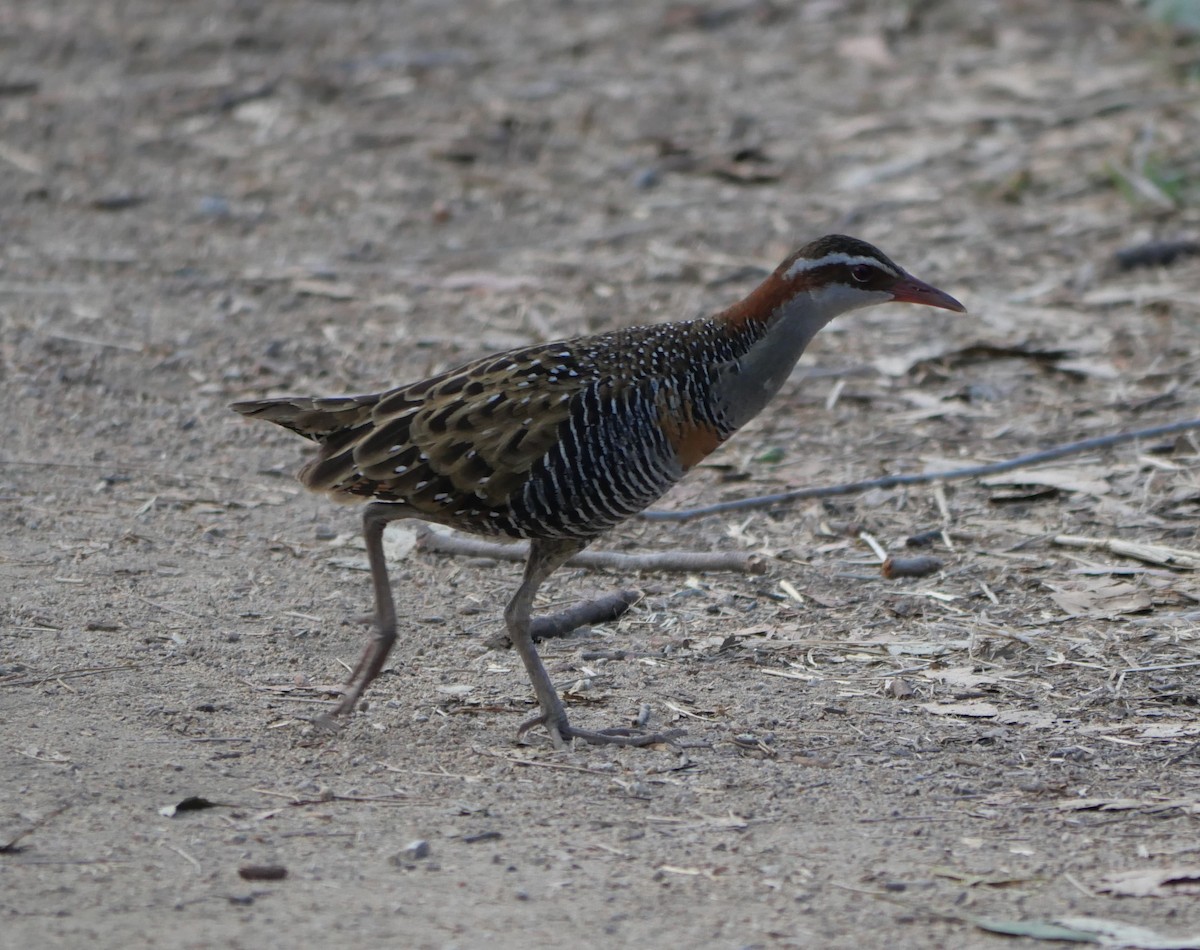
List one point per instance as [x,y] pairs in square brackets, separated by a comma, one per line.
[376,517]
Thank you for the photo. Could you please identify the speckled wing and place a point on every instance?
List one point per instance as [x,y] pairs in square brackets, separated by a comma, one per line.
[464,439]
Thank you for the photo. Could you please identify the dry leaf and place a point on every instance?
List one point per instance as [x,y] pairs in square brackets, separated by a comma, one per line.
[1066,479]
[1178,558]
[1102,804]
[485,280]
[947,353]
[1101,598]
[925,648]
[869,48]
[1138,294]
[961,677]
[1152,882]
[1086,366]
[323,288]
[1169,730]
[1030,718]
[398,543]
[974,710]
[1117,933]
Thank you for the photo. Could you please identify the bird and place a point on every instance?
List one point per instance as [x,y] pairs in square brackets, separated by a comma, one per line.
[557,443]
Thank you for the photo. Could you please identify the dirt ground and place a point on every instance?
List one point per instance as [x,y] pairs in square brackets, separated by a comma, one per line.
[201,202]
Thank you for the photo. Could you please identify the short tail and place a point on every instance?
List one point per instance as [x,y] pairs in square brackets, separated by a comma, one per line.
[319,419]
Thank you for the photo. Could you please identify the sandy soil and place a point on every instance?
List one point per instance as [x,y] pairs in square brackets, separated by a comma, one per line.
[201,202]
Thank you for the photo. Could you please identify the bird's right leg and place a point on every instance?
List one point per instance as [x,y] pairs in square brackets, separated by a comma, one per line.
[376,517]
[545,557]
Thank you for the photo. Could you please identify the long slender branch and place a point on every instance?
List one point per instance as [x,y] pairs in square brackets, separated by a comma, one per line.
[679,561]
[893,481]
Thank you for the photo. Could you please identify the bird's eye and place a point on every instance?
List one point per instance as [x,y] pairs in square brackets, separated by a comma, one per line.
[861,272]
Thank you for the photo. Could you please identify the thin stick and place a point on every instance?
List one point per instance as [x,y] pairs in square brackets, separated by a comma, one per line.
[11,846]
[601,610]
[894,481]
[684,562]
[557,766]
[185,477]
[68,674]
[183,854]
[604,609]
[1151,553]
[1164,666]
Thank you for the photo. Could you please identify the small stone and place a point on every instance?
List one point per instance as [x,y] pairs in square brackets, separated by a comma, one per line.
[214,206]
[262,872]
[643,179]
[416,850]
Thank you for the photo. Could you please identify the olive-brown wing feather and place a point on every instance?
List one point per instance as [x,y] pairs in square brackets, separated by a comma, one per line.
[470,435]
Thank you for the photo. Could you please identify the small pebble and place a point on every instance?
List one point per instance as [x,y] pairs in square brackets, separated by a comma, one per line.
[214,206]
[895,567]
[262,872]
[645,178]
[118,201]
[482,836]
[1155,253]
[417,849]
[923,539]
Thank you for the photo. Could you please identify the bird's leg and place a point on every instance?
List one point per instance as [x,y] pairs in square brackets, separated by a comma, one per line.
[545,557]
[376,517]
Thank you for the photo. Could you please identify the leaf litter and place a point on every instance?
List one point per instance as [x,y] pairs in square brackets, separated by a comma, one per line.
[419,189]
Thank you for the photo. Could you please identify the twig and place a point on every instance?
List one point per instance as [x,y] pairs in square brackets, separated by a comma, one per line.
[167,607]
[684,562]
[399,798]
[183,854]
[1161,666]
[873,543]
[68,674]
[601,610]
[11,846]
[894,481]
[1150,553]
[200,739]
[120,469]
[95,341]
[558,766]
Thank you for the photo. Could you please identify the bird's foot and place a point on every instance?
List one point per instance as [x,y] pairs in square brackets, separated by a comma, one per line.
[364,673]
[561,732]
[332,720]
[348,701]
[327,723]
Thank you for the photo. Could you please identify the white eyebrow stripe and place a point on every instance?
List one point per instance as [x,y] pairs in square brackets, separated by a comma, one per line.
[837,257]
